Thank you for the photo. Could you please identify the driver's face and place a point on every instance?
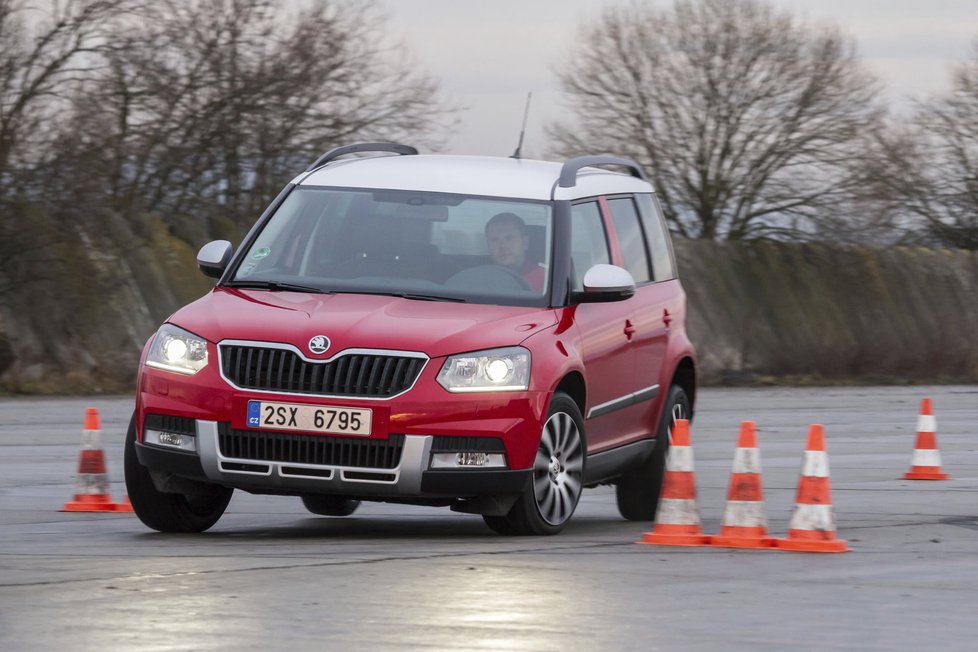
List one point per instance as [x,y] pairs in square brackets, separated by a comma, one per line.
[507,245]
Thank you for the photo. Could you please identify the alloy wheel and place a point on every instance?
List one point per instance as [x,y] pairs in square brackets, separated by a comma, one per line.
[558,469]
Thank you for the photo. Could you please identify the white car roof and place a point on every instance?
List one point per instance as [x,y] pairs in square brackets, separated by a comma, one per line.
[470,175]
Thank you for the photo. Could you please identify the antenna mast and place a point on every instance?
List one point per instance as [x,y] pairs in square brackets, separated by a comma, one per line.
[526,113]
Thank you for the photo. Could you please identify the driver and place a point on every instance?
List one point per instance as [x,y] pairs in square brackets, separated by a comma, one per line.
[508,242]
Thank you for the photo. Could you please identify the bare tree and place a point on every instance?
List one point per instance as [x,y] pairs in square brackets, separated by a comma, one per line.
[130,128]
[44,47]
[750,122]
[212,105]
[927,170]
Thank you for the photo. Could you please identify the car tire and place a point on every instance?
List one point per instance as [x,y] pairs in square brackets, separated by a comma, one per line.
[549,501]
[330,505]
[169,512]
[638,492]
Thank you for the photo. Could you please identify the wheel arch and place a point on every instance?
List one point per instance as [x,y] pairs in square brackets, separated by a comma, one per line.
[685,377]
[574,386]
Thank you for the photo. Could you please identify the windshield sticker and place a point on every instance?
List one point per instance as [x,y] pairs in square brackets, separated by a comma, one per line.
[261,253]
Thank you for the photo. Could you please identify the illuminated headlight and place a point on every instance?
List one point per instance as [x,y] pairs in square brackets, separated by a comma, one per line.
[175,349]
[495,370]
[468,459]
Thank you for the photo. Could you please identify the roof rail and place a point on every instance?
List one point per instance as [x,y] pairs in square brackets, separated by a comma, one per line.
[568,173]
[337,152]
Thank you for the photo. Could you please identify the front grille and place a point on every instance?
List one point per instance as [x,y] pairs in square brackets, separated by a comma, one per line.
[355,374]
[167,423]
[310,449]
[456,444]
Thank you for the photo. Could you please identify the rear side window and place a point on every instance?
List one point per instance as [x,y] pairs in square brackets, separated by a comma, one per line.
[589,243]
[630,239]
[660,248]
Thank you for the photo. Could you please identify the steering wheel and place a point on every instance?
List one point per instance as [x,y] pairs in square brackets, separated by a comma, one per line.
[517,276]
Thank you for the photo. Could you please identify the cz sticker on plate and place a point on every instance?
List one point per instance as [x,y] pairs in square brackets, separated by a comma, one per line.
[309,418]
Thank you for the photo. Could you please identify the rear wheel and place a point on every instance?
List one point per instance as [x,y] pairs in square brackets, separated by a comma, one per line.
[638,491]
[168,512]
[330,505]
[558,474]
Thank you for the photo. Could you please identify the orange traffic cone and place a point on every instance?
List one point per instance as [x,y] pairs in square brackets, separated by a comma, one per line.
[124,506]
[677,521]
[926,462]
[812,525]
[92,484]
[744,520]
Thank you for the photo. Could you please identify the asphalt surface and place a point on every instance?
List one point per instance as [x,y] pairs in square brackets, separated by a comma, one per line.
[271,576]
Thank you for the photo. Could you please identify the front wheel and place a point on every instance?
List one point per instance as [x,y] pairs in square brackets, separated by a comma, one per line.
[558,476]
[168,512]
[638,491]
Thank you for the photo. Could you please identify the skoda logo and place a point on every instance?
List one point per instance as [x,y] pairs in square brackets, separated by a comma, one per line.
[319,344]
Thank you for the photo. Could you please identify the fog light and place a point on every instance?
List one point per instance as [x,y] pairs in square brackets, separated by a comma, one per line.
[468,459]
[471,459]
[178,440]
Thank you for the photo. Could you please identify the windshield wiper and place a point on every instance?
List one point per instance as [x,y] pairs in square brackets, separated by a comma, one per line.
[427,297]
[292,287]
[402,295]
[273,285]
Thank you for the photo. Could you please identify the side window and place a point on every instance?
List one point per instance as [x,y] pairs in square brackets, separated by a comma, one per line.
[660,247]
[589,243]
[630,239]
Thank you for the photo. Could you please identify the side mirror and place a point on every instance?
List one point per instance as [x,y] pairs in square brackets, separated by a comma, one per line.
[213,258]
[604,283]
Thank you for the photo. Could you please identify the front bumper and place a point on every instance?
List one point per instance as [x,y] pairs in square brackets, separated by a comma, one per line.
[417,422]
[410,478]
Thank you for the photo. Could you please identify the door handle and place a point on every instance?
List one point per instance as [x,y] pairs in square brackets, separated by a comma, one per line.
[629,329]
[666,317]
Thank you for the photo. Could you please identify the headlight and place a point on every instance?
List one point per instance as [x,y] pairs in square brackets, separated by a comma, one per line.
[496,370]
[174,349]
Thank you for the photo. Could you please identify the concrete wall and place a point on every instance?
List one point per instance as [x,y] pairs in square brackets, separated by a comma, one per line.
[80,324]
[757,312]
[810,313]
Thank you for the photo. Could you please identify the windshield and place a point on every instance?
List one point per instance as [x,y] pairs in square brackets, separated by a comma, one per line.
[415,244]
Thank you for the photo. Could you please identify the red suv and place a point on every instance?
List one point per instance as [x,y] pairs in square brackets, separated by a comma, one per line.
[489,334]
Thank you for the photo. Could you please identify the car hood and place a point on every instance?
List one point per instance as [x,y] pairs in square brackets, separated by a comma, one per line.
[359,321]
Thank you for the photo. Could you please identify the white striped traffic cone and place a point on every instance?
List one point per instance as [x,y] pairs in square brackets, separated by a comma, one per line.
[812,525]
[92,483]
[677,520]
[744,521]
[926,462]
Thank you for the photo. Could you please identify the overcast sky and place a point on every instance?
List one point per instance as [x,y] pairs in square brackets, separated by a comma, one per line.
[489,54]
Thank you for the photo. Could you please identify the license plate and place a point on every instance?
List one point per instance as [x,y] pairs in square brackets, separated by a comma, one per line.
[309,418]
